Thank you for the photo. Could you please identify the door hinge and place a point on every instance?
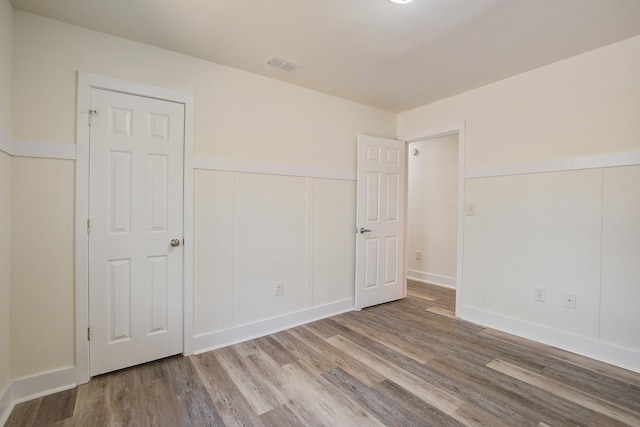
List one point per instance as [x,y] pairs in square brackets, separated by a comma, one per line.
[88,334]
[88,226]
[91,114]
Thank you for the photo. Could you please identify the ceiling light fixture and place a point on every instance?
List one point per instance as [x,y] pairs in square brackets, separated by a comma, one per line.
[400,1]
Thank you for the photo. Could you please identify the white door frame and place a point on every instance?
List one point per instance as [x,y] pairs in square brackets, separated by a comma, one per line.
[458,128]
[86,82]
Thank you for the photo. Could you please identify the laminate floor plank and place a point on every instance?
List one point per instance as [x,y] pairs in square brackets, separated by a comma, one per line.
[371,399]
[281,417]
[24,414]
[406,363]
[275,350]
[321,329]
[160,406]
[428,339]
[423,389]
[230,403]
[609,409]
[397,343]
[56,407]
[195,403]
[92,406]
[322,399]
[125,396]
[477,416]
[572,359]
[603,387]
[465,343]
[314,358]
[338,358]
[429,414]
[260,396]
[508,399]
[421,296]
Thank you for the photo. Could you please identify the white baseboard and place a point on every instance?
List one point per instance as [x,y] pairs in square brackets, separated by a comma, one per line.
[211,341]
[6,405]
[33,387]
[6,144]
[24,389]
[604,352]
[43,384]
[436,279]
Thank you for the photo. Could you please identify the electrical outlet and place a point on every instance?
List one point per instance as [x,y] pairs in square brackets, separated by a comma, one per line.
[279,288]
[570,299]
[471,209]
[540,294]
[418,255]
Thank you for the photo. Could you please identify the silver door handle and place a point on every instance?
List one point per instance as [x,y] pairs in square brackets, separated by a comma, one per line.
[175,242]
[364,230]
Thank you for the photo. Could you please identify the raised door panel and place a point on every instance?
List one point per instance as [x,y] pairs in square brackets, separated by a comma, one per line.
[159,191]
[372,264]
[158,295]
[119,300]
[119,192]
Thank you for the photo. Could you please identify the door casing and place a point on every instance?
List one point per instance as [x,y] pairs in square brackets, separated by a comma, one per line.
[86,82]
[430,133]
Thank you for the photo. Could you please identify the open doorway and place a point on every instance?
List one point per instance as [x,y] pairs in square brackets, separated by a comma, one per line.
[433,215]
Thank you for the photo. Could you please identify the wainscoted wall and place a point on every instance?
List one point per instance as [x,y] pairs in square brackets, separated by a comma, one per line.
[552,160]
[255,230]
[620,271]
[567,232]
[539,230]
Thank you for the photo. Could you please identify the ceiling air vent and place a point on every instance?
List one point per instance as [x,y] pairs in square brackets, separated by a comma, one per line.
[283,64]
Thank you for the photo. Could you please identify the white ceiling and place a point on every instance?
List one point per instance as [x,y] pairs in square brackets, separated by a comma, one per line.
[394,57]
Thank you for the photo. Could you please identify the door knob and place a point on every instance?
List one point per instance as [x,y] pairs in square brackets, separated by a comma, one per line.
[364,230]
[175,242]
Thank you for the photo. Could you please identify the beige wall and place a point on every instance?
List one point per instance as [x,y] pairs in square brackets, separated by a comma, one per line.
[6,42]
[432,227]
[581,106]
[42,267]
[566,231]
[239,116]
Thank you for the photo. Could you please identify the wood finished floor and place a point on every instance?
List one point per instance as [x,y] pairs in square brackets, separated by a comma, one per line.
[406,363]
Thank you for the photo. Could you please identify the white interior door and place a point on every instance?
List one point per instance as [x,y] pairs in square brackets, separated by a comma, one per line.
[380,221]
[135,211]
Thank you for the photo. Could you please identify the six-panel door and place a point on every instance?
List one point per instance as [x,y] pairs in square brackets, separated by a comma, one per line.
[379,221]
[136,190]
